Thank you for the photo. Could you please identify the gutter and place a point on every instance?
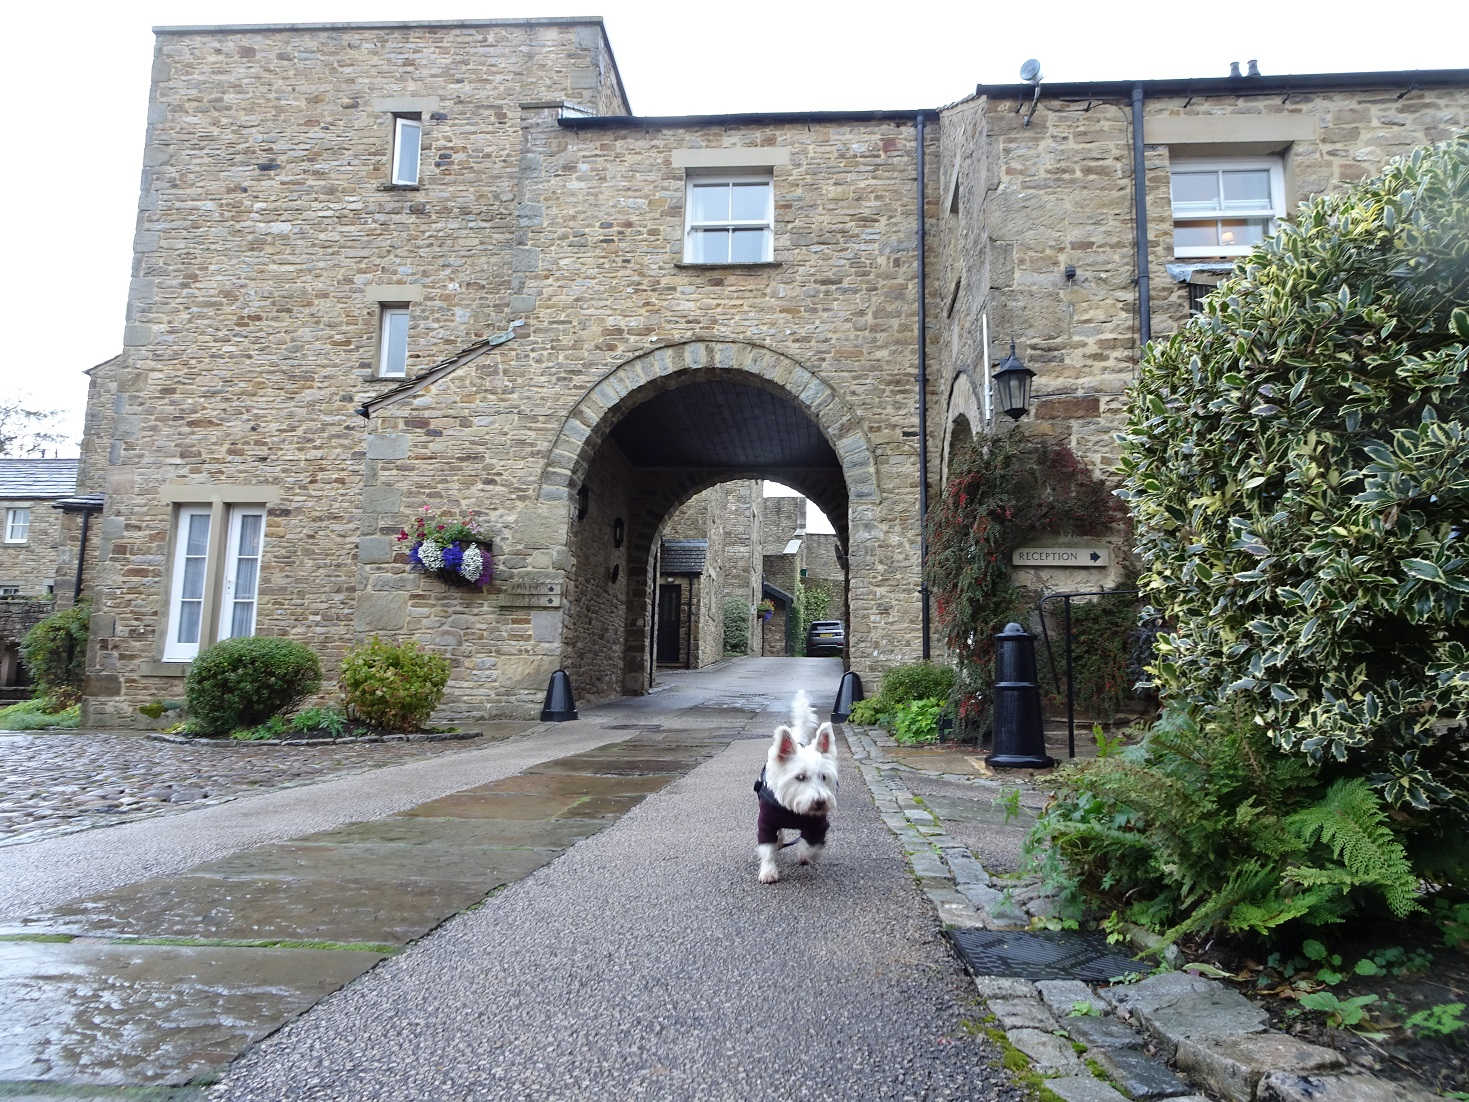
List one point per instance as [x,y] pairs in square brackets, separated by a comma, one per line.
[922,395]
[1140,221]
[747,118]
[1237,86]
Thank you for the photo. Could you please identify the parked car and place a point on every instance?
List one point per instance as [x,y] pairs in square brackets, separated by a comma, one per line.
[825,637]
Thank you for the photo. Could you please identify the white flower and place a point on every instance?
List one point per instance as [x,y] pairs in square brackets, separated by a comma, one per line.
[431,555]
[472,563]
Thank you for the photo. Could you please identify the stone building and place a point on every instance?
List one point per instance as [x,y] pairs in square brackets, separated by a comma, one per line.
[45,539]
[364,284]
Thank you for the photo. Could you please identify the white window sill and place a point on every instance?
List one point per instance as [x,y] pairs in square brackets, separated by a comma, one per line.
[16,543]
[729,264]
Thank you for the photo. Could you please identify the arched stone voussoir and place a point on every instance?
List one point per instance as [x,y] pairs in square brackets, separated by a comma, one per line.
[671,366]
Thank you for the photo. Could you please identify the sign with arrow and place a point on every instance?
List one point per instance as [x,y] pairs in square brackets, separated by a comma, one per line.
[1062,556]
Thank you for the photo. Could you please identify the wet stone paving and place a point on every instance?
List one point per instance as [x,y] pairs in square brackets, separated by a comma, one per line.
[61,781]
[162,982]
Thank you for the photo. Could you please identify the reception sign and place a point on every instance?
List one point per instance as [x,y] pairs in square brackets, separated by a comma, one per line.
[1062,556]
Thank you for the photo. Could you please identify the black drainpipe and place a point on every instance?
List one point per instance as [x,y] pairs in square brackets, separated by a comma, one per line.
[1140,202]
[76,589]
[922,402]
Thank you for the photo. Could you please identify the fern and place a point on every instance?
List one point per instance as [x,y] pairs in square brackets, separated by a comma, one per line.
[1350,821]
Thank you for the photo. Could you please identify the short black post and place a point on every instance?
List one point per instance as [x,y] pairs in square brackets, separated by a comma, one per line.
[848,693]
[1020,741]
[559,705]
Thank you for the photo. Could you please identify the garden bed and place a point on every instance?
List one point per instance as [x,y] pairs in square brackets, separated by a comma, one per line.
[1416,973]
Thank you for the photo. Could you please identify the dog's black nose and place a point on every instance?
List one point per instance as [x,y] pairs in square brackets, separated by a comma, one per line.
[818,808]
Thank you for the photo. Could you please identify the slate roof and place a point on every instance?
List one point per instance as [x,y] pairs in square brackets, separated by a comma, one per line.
[683,556]
[775,593]
[38,478]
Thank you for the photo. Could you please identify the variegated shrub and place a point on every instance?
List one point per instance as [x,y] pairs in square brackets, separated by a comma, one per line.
[1297,466]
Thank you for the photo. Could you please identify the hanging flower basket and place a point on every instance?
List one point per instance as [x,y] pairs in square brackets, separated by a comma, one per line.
[451,551]
[766,609]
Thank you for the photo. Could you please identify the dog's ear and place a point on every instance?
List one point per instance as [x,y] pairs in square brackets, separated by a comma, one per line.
[785,743]
[825,739]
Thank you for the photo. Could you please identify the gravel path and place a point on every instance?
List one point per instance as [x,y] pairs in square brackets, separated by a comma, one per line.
[648,963]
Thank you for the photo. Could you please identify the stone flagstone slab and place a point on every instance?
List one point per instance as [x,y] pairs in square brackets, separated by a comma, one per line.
[1234,1066]
[371,861]
[469,834]
[151,1014]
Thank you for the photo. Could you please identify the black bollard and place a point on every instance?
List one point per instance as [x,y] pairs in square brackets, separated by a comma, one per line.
[848,693]
[1020,740]
[559,705]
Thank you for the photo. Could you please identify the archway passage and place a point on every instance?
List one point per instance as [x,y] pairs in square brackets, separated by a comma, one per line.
[644,442]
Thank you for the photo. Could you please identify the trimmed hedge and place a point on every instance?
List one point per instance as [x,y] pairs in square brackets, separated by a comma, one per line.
[243,682]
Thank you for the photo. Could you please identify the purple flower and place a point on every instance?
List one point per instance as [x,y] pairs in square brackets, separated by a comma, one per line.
[453,556]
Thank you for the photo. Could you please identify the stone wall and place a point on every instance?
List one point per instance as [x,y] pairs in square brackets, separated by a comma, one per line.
[596,603]
[31,565]
[1058,192]
[17,616]
[741,567]
[261,257]
[782,519]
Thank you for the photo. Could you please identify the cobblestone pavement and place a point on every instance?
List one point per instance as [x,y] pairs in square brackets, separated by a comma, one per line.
[62,781]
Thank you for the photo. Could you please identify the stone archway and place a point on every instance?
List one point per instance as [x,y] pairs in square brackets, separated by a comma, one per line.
[963,414]
[605,579]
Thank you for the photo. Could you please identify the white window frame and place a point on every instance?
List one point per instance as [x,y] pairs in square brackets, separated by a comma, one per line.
[387,311]
[693,227]
[9,591]
[173,649]
[406,174]
[229,595]
[220,576]
[18,524]
[1223,212]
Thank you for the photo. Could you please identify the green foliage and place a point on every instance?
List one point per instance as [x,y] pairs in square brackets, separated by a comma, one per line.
[736,626]
[1207,827]
[1002,490]
[317,722]
[902,685]
[1103,632]
[1297,465]
[1083,1008]
[153,709]
[242,682]
[1437,1021]
[32,715]
[1453,920]
[393,687]
[813,601]
[55,653]
[916,723]
[1339,1012]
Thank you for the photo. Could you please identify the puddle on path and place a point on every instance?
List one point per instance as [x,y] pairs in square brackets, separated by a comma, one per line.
[91,1007]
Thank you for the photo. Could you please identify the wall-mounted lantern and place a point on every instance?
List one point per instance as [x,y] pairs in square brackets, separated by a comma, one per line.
[583,502]
[1012,385]
[619,530]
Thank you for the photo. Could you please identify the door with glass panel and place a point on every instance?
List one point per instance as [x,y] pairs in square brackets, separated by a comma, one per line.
[186,592]
[240,592]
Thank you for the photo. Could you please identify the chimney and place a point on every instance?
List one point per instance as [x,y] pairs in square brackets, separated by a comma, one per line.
[1234,68]
[1252,68]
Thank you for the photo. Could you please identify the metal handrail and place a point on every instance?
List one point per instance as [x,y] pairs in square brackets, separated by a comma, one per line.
[1040,609]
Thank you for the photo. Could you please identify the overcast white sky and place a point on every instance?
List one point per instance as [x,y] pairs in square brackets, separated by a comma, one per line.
[77,75]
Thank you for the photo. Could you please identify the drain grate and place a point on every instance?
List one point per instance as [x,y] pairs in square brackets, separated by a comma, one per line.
[1045,955]
[635,727]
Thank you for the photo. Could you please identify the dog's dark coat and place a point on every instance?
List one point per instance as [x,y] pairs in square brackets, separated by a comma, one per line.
[775,817]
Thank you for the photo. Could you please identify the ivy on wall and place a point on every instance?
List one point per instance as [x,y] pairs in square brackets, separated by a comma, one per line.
[1002,491]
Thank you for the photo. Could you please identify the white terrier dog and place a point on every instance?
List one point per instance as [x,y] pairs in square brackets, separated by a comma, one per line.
[797,788]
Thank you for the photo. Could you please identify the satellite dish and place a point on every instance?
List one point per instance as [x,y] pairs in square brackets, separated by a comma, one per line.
[1030,72]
